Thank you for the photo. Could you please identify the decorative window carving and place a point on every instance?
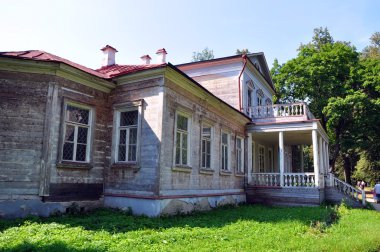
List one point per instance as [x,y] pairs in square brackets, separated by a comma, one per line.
[77,133]
[260,93]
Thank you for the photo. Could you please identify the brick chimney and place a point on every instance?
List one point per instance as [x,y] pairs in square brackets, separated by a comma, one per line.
[146,59]
[109,56]
[161,56]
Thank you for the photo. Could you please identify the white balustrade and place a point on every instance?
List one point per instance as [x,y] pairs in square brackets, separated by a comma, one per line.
[348,189]
[279,110]
[266,179]
[290,179]
[299,179]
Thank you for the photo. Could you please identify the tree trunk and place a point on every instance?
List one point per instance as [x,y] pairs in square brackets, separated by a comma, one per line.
[347,169]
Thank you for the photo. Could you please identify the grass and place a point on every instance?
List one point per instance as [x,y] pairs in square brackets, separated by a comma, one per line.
[244,228]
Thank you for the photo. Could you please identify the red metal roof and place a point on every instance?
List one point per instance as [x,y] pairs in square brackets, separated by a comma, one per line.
[104,72]
[116,70]
[44,56]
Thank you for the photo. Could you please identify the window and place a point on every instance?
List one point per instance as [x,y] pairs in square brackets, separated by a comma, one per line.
[240,154]
[249,98]
[77,130]
[225,151]
[261,158]
[206,147]
[127,130]
[260,95]
[182,140]
[270,159]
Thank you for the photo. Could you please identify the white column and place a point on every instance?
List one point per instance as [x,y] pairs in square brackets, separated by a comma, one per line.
[327,157]
[315,156]
[302,164]
[249,159]
[281,156]
[321,160]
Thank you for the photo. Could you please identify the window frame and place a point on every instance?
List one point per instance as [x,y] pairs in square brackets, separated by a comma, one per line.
[90,132]
[241,156]
[228,146]
[261,158]
[118,109]
[211,140]
[189,119]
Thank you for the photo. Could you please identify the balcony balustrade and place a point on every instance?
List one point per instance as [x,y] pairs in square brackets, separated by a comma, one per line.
[280,112]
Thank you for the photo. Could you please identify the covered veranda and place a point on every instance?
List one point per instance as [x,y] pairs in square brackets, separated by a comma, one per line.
[276,154]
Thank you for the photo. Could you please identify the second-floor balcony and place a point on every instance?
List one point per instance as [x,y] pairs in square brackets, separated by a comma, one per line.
[280,112]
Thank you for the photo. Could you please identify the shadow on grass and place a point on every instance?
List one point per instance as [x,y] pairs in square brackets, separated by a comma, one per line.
[114,221]
[55,246]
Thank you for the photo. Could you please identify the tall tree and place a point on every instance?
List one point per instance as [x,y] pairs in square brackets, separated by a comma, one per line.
[322,69]
[242,51]
[373,50]
[206,54]
[342,90]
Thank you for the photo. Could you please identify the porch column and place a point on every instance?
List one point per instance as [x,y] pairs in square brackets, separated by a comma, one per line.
[315,156]
[327,157]
[281,156]
[301,154]
[321,159]
[324,157]
[249,159]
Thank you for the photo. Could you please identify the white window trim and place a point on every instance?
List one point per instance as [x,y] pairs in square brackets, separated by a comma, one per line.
[189,119]
[258,153]
[89,132]
[118,109]
[228,169]
[205,124]
[241,170]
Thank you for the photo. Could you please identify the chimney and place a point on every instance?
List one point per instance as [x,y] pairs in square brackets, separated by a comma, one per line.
[146,59]
[109,56]
[161,56]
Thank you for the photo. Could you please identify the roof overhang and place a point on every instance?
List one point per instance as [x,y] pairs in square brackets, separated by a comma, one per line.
[56,69]
[184,81]
[289,128]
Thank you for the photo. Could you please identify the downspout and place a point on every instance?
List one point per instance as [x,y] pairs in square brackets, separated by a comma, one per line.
[245,63]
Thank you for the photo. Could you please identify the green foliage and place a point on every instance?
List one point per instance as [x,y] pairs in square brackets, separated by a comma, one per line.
[244,228]
[373,50]
[322,37]
[366,170]
[206,54]
[242,51]
[341,89]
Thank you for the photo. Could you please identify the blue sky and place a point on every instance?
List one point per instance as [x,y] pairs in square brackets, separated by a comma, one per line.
[77,29]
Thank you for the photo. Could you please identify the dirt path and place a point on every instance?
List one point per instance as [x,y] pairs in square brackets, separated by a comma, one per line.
[376,206]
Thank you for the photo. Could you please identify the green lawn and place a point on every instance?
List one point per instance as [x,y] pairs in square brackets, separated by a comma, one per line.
[244,228]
